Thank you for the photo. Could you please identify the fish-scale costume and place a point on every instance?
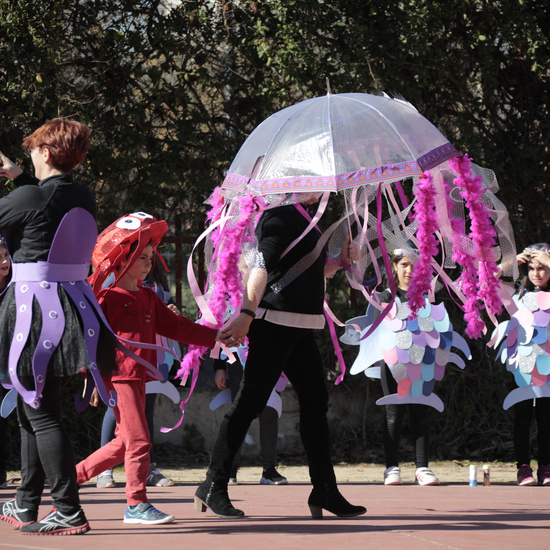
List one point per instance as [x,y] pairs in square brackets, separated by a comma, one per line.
[525,347]
[416,350]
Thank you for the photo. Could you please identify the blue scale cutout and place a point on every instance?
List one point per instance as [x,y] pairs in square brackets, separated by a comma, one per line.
[416,388]
[442,326]
[539,336]
[446,340]
[425,311]
[429,355]
[428,387]
[525,351]
[543,364]
[522,379]
[428,372]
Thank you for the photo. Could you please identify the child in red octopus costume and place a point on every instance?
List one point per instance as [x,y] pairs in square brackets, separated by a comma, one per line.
[126,248]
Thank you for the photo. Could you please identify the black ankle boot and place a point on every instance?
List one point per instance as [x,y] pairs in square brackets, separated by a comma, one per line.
[328,497]
[214,496]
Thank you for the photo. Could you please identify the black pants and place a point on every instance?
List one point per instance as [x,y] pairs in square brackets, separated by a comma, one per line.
[419,420]
[272,350]
[269,422]
[523,416]
[46,451]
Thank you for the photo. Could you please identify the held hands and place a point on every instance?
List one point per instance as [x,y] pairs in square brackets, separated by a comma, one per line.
[235,333]
[7,168]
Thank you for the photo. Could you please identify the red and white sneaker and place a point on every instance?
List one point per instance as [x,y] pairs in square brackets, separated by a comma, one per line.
[543,475]
[424,476]
[525,475]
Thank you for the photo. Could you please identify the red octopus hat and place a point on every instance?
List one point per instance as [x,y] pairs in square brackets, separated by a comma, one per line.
[113,244]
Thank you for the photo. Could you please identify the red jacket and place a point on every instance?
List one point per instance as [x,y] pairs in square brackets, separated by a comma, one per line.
[139,316]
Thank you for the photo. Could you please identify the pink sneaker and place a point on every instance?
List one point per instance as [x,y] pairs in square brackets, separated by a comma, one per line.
[525,475]
[543,475]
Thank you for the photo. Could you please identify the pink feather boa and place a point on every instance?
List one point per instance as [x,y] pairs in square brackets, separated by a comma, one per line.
[424,211]
[227,280]
[479,285]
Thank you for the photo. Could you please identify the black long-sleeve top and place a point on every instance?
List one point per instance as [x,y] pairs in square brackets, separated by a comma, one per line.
[276,229]
[33,212]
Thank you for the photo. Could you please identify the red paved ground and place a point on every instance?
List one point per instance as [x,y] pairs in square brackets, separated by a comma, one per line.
[450,516]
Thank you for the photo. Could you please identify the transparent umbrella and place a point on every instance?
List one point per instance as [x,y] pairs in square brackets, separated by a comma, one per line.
[336,142]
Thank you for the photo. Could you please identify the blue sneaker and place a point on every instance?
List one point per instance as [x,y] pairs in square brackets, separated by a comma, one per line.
[145,513]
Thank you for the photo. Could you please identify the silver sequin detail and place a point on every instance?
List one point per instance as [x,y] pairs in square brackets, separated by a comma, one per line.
[530,301]
[527,364]
[399,371]
[426,324]
[403,339]
[416,354]
[403,311]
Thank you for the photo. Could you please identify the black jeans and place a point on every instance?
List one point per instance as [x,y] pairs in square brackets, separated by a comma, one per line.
[46,451]
[272,350]
[419,420]
[523,416]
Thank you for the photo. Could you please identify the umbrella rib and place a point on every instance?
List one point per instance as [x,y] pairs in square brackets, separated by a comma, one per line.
[388,121]
[305,104]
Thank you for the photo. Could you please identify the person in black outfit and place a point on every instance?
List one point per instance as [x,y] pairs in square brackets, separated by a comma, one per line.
[282,306]
[33,213]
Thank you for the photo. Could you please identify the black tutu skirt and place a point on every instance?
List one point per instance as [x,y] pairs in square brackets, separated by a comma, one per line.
[71,355]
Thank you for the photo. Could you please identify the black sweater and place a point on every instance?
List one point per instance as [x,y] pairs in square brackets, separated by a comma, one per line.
[32,213]
[276,229]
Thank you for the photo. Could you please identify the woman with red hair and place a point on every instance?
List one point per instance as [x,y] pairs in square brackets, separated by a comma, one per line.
[50,326]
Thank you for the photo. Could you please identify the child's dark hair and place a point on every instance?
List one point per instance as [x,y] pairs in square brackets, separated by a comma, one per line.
[525,284]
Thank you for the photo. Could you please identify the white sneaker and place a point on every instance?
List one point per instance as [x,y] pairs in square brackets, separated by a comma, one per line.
[424,476]
[392,476]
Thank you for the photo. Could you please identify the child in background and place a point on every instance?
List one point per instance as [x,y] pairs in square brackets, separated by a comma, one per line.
[127,248]
[534,264]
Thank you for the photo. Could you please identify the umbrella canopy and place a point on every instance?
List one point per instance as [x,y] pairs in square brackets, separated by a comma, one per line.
[335,142]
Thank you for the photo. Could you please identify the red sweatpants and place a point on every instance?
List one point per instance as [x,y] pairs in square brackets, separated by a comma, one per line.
[131,444]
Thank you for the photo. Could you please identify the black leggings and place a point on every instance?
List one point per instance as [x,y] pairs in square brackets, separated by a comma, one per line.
[523,415]
[272,350]
[419,419]
[46,451]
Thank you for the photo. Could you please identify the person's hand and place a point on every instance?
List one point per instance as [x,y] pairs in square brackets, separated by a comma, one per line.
[524,257]
[541,256]
[7,168]
[235,333]
[220,379]
[350,251]
[174,309]
[94,398]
